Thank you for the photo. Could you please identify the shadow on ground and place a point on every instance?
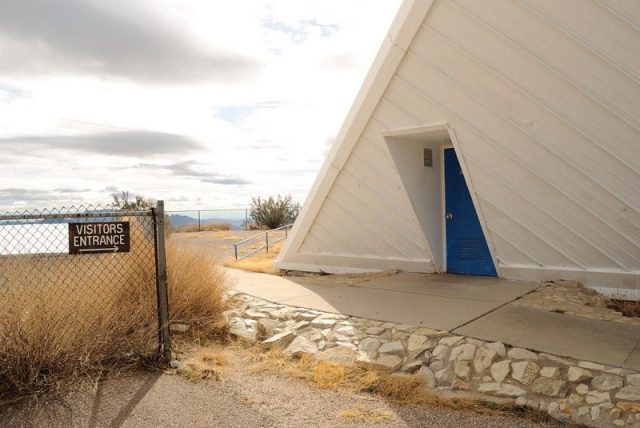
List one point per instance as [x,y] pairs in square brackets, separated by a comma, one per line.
[241,399]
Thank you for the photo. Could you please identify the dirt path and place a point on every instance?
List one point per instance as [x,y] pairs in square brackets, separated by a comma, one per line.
[240,399]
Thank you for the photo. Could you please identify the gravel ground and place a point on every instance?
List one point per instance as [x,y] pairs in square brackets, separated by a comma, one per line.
[240,399]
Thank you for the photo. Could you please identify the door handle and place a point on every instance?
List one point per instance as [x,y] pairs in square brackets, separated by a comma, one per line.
[449,216]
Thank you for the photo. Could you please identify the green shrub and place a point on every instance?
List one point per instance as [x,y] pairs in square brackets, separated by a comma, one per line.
[271,213]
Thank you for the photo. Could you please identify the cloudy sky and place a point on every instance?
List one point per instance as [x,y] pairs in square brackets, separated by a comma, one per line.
[201,103]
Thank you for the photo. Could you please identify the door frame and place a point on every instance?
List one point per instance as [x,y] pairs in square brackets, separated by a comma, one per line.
[443,205]
[433,247]
[481,218]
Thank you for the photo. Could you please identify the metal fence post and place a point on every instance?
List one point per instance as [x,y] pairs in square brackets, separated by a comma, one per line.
[161,282]
[199,221]
[266,238]
[246,219]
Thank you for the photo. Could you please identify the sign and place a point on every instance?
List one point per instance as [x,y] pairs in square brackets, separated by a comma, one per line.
[99,237]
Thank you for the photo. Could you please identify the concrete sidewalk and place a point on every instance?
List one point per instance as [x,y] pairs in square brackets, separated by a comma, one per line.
[477,307]
[443,302]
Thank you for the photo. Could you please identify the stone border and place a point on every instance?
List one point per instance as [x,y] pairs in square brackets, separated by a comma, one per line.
[568,390]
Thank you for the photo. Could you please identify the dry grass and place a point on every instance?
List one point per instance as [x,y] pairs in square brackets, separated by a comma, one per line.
[365,414]
[209,227]
[276,361]
[364,378]
[260,262]
[328,375]
[196,291]
[226,235]
[66,317]
[204,364]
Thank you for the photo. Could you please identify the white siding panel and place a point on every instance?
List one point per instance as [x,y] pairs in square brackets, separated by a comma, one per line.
[510,254]
[392,116]
[577,149]
[569,102]
[368,158]
[627,10]
[604,33]
[538,251]
[385,189]
[333,215]
[576,245]
[367,198]
[551,45]
[321,239]
[318,242]
[367,233]
[424,112]
[394,230]
[527,152]
[544,100]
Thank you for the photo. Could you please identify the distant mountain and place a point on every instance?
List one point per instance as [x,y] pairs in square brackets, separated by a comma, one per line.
[178,220]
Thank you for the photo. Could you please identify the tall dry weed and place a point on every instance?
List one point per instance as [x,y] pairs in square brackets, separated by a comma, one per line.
[197,287]
[61,326]
[68,316]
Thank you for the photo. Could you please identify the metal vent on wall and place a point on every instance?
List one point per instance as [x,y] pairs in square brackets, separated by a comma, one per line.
[427,157]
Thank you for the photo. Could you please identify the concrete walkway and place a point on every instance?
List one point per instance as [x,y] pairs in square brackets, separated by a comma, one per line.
[477,307]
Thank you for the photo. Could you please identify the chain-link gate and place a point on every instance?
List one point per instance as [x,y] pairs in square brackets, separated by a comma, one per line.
[88,271]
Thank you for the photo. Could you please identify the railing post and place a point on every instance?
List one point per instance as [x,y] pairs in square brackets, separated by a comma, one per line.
[246,219]
[266,237]
[235,250]
[161,282]
[199,221]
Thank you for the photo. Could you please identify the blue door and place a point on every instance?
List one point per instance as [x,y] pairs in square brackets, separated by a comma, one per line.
[467,250]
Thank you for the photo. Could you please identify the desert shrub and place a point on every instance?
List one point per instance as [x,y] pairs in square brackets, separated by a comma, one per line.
[187,228]
[628,308]
[217,226]
[121,201]
[271,213]
[64,317]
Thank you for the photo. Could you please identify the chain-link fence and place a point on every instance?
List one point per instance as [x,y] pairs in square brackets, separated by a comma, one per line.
[91,278]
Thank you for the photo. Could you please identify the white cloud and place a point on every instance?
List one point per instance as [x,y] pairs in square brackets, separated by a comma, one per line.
[211,137]
[121,39]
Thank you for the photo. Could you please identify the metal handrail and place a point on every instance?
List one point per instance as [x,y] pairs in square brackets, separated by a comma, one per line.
[266,239]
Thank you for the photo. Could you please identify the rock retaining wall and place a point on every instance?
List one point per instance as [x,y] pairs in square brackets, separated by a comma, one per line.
[578,391]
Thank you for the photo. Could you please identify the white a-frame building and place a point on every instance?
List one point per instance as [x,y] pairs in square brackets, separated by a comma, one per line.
[494,137]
